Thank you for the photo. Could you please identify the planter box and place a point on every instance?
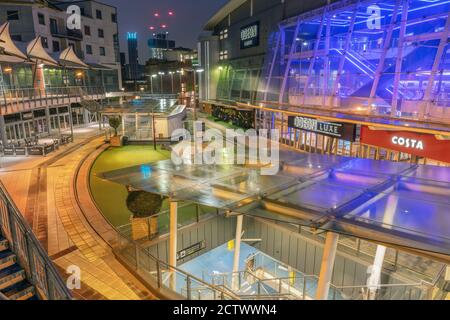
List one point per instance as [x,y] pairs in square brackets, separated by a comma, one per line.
[116,141]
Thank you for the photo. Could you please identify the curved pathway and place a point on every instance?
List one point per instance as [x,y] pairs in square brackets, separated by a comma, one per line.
[45,190]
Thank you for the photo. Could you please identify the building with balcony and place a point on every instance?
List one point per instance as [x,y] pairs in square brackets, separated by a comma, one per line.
[48,71]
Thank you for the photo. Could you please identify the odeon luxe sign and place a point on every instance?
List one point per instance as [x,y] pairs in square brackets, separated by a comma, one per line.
[418,144]
[344,131]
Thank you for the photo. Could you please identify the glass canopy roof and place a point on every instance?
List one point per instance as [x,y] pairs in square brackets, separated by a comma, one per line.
[397,203]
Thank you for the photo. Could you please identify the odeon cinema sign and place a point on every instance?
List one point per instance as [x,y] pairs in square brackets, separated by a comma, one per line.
[344,131]
[419,144]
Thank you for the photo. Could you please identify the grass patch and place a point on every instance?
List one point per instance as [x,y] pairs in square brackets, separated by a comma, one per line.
[111,197]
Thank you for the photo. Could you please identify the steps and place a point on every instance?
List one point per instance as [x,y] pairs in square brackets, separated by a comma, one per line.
[13,282]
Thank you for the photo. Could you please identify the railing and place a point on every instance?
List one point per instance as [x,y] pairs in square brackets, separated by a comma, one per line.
[267,278]
[31,256]
[414,291]
[14,100]
[162,276]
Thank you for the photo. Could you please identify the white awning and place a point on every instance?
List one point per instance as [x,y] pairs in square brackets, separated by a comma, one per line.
[68,58]
[36,52]
[10,59]
[7,44]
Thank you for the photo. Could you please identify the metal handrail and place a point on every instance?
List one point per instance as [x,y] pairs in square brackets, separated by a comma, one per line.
[50,268]
[161,266]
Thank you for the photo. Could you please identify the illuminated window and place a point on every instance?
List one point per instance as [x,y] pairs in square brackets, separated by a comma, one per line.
[223,34]
[223,55]
[44,41]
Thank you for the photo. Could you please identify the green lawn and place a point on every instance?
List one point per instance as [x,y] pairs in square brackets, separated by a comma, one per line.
[111,197]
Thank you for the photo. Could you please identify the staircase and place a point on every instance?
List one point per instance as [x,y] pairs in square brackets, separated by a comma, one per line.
[13,282]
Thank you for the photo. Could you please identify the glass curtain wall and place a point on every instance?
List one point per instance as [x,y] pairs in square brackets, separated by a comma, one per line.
[387,58]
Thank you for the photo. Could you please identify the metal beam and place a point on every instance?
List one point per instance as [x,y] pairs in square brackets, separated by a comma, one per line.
[237,252]
[399,60]
[173,235]
[288,65]
[348,39]
[380,67]
[269,78]
[425,106]
[316,48]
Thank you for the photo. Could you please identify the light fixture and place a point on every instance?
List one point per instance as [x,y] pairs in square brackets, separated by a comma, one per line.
[200,70]
[7,70]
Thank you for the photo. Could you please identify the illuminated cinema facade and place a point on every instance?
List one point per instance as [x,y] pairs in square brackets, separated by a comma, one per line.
[383,66]
[387,58]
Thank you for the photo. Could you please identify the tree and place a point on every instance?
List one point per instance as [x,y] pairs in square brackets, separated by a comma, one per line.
[114,122]
[145,205]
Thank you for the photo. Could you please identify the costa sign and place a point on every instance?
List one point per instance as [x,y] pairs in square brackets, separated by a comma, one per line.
[344,131]
[418,144]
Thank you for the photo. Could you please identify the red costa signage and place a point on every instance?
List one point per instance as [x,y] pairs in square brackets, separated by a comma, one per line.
[422,145]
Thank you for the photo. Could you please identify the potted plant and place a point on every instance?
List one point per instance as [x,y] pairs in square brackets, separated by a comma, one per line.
[115,122]
[144,206]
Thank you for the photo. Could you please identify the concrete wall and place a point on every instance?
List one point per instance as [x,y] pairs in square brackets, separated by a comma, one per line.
[289,247]
[214,232]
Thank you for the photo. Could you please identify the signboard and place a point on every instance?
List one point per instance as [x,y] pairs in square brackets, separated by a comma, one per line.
[250,35]
[20,151]
[8,151]
[35,151]
[418,144]
[27,116]
[49,148]
[191,250]
[344,131]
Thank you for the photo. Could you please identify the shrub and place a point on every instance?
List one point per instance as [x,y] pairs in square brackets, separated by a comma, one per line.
[144,204]
[115,122]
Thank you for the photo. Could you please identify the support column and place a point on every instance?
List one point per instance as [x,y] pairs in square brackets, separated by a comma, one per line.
[3,131]
[237,252]
[123,124]
[47,118]
[374,280]
[38,79]
[326,269]
[173,230]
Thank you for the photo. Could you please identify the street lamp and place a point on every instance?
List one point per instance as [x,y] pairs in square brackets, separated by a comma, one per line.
[171,77]
[151,81]
[161,76]
[195,90]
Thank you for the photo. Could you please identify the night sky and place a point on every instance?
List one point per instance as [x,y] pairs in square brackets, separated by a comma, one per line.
[184,27]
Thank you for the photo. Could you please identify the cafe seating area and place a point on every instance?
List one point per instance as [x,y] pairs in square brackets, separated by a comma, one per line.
[34,147]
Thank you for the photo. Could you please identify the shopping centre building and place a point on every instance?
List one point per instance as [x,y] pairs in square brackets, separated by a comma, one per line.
[376,70]
[51,75]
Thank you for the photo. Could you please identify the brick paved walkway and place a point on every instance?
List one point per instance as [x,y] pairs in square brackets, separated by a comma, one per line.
[43,189]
